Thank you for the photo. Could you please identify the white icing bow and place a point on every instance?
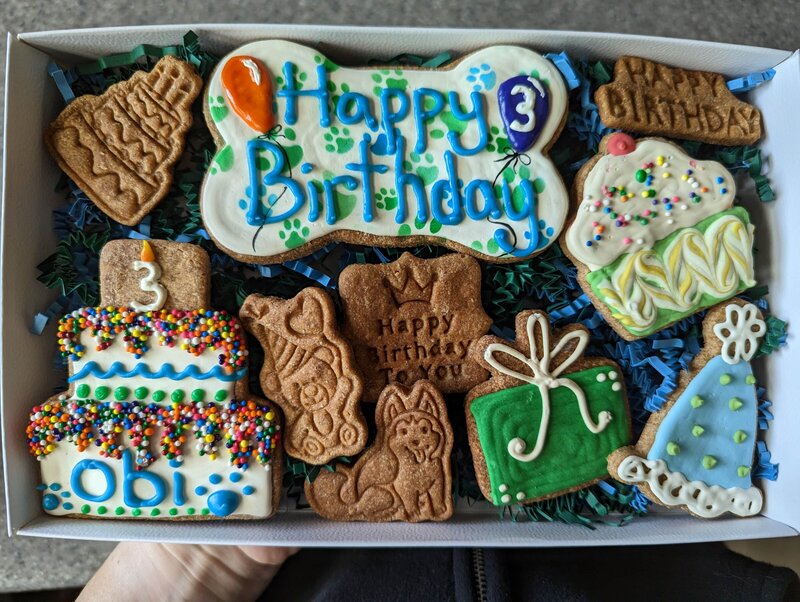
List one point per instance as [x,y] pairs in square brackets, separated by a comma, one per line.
[740,332]
[545,377]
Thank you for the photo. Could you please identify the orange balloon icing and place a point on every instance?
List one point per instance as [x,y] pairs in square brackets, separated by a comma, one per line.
[248,87]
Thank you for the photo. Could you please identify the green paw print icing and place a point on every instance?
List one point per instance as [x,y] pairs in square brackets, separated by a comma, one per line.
[329,65]
[495,142]
[293,235]
[217,108]
[386,198]
[223,160]
[423,166]
[389,78]
[338,141]
[433,227]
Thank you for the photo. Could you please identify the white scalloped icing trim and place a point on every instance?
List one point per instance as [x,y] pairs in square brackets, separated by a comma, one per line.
[672,489]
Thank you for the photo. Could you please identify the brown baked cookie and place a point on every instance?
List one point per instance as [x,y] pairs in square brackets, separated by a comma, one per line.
[119,147]
[405,475]
[184,272]
[655,235]
[310,153]
[697,451]
[309,371]
[545,421]
[415,319]
[652,98]
[158,422]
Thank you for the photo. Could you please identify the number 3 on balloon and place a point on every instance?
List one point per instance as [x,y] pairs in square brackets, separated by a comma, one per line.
[524,107]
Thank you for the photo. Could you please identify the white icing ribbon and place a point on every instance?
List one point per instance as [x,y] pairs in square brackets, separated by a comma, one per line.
[672,489]
[714,263]
[545,377]
[150,283]
[740,333]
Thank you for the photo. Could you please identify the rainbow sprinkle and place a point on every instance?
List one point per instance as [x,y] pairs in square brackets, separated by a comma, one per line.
[195,331]
[249,429]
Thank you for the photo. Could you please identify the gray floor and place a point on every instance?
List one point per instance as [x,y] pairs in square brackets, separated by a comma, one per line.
[42,564]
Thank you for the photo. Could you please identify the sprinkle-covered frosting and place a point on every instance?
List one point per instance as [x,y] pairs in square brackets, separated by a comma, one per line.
[194,331]
[249,429]
[634,199]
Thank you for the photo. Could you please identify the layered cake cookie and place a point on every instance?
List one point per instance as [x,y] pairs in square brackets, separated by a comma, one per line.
[157,422]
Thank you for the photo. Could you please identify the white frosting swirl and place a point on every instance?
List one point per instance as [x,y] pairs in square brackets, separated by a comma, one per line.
[674,177]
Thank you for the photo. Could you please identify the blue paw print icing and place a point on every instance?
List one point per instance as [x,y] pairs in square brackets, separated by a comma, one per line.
[54,497]
[482,77]
[223,502]
[545,234]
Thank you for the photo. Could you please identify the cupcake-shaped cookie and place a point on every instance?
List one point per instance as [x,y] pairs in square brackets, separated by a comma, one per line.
[656,236]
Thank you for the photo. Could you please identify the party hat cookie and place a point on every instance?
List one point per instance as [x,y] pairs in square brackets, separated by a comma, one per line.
[696,452]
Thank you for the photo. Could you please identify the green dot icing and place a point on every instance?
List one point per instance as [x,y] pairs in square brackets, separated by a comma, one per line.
[725,379]
[82,391]
[102,392]
[155,512]
[735,403]
[673,449]
[121,393]
[177,395]
[221,395]
[136,512]
[750,379]
[173,511]
[102,510]
[159,395]
[190,510]
[743,471]
[697,401]
[205,511]
[119,510]
[709,462]
[739,436]
[697,430]
[85,508]
[140,392]
[198,395]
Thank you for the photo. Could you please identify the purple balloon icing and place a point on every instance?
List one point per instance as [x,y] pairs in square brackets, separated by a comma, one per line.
[524,106]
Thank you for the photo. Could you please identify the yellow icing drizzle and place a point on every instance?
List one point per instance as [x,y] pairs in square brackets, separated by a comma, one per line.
[715,262]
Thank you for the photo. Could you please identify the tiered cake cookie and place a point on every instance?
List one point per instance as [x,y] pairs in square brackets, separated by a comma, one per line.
[152,368]
[120,147]
[656,235]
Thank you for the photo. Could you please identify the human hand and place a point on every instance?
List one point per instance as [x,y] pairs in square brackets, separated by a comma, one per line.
[162,571]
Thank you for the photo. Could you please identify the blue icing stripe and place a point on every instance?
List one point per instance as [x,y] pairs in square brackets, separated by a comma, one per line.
[712,412]
[92,368]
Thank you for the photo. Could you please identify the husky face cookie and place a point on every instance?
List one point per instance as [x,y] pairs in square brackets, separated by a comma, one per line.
[656,236]
[158,422]
[545,421]
[309,371]
[405,475]
[119,147]
[415,319]
[697,451]
[311,152]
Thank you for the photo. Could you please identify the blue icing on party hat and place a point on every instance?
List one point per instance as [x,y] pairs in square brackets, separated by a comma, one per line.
[709,434]
[702,452]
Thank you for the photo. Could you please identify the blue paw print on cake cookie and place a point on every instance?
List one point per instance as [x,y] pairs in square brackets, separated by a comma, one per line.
[53,495]
[223,502]
[482,77]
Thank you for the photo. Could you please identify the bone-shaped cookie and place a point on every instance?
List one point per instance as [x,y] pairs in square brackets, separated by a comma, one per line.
[310,152]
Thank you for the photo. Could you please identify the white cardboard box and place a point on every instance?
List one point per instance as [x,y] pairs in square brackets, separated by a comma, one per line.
[28,199]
